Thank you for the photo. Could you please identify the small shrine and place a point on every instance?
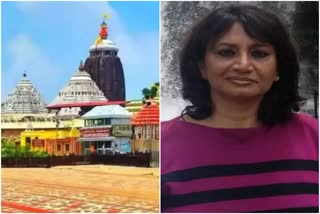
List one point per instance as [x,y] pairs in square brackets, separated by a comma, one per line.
[24,99]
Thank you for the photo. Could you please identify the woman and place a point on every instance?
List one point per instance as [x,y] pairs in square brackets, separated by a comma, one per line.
[239,147]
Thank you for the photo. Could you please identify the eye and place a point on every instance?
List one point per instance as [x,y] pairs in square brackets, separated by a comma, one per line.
[258,54]
[226,52]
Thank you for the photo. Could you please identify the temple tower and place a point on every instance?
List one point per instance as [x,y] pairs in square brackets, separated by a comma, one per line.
[105,67]
[80,88]
[24,99]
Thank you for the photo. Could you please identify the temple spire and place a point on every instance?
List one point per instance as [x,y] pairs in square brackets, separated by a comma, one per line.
[80,88]
[103,34]
[24,99]
[81,67]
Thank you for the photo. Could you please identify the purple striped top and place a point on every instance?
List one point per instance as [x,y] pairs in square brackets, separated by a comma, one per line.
[264,169]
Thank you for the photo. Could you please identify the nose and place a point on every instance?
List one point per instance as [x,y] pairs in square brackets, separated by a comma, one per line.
[243,63]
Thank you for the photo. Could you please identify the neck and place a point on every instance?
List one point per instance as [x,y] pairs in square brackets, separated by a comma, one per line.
[233,113]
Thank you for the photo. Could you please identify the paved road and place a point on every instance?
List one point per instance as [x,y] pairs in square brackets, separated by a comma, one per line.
[95,189]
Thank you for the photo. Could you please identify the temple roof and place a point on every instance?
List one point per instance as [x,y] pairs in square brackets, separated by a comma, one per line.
[104,45]
[109,111]
[85,104]
[80,88]
[148,115]
[24,99]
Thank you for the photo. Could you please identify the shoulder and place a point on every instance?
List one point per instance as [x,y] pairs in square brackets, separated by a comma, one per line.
[304,127]
[307,121]
[171,134]
[168,123]
[168,126]
[174,132]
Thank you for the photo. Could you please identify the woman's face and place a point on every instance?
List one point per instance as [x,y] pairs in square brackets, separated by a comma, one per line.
[238,66]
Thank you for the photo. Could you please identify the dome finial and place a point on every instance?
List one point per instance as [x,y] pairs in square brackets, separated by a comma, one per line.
[24,74]
[81,67]
[103,34]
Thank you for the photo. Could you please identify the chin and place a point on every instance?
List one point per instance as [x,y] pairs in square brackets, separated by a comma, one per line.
[242,94]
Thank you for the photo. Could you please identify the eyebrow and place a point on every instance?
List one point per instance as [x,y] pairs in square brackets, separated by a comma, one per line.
[254,45]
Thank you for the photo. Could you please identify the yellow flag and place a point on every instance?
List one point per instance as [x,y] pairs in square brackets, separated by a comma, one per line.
[98,41]
[106,16]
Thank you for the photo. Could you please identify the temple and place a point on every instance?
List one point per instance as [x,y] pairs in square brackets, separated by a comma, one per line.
[89,114]
[80,89]
[105,67]
[24,99]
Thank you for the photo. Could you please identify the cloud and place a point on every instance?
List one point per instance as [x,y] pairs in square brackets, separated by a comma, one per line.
[133,49]
[137,49]
[26,56]
[27,6]
[47,71]
[130,46]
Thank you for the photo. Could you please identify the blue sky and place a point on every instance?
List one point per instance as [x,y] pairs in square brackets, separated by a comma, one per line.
[48,40]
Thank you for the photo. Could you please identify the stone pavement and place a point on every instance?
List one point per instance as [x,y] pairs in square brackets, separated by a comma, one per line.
[95,189]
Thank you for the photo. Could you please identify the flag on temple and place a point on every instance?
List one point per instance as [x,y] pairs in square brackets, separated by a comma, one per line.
[106,16]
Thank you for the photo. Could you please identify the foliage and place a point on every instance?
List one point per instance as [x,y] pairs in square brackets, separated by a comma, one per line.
[146,93]
[10,150]
[40,154]
[150,93]
[153,91]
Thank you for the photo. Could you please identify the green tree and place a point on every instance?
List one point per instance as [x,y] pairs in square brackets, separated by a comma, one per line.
[150,93]
[153,91]
[8,148]
[146,93]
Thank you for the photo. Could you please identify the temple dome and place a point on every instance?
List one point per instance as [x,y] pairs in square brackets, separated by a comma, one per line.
[104,45]
[80,88]
[24,99]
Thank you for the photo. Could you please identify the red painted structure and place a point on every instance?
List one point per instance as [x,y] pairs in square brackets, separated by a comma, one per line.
[50,145]
[86,104]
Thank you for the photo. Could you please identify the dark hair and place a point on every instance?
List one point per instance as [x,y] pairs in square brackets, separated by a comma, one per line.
[278,103]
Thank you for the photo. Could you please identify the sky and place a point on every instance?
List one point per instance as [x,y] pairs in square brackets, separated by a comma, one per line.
[47,40]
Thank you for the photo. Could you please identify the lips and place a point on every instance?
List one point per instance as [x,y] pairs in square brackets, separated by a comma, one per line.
[241,80]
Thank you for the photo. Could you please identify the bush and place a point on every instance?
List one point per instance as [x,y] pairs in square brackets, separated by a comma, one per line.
[10,150]
[40,154]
